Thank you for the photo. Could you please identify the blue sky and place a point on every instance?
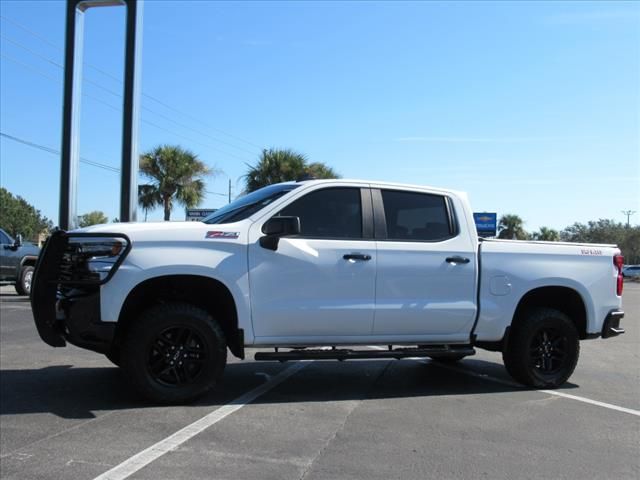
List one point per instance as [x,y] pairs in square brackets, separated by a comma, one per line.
[532,108]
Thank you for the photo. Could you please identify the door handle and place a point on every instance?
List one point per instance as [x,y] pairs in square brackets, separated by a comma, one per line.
[457,259]
[356,256]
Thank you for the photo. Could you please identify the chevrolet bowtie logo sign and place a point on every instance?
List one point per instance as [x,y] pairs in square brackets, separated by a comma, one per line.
[486,223]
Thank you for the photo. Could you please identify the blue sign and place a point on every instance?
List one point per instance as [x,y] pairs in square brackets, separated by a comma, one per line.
[486,223]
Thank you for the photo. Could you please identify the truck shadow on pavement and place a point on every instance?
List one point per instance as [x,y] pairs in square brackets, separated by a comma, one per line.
[76,393]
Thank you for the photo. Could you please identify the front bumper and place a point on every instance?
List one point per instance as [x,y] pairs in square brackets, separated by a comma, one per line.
[74,316]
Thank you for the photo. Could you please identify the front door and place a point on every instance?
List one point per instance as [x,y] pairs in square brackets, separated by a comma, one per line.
[426,274]
[320,283]
[8,258]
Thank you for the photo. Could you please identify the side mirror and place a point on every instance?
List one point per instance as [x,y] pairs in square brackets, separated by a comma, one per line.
[18,243]
[277,227]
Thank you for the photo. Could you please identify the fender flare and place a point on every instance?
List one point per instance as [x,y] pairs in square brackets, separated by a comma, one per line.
[28,258]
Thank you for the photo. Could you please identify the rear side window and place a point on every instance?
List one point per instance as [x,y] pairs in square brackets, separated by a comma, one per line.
[328,213]
[416,216]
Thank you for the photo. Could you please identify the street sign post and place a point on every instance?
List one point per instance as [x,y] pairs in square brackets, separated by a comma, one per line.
[197,214]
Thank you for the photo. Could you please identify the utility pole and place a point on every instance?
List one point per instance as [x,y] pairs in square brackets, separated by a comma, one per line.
[229,190]
[628,213]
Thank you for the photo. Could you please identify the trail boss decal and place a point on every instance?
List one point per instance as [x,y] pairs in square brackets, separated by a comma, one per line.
[590,251]
[217,234]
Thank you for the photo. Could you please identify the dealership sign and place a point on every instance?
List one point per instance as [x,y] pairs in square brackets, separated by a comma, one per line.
[198,214]
[486,223]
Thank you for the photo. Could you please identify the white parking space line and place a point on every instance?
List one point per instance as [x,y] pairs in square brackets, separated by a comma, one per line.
[145,457]
[577,398]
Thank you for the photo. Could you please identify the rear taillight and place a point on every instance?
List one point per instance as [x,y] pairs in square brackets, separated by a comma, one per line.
[618,261]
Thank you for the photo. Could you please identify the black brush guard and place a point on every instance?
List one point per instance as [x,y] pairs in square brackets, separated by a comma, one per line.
[51,273]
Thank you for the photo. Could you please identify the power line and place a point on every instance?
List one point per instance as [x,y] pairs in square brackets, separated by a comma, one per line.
[96,99]
[53,151]
[119,95]
[150,97]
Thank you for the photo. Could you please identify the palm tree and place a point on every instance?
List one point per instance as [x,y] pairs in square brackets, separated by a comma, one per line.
[282,165]
[176,175]
[148,198]
[511,226]
[546,234]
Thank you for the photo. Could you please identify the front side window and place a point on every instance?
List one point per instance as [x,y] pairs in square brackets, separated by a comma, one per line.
[328,213]
[4,240]
[416,216]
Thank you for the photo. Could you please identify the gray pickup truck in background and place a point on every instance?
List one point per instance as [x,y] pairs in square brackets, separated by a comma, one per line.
[17,261]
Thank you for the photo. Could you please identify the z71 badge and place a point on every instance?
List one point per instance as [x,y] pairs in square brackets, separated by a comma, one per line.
[218,234]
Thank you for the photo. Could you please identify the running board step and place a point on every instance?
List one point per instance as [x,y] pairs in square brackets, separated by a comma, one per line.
[348,354]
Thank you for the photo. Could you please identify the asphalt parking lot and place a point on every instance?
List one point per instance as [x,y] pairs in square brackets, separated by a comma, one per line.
[67,414]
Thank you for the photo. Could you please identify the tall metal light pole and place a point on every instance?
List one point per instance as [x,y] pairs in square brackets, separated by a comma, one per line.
[70,156]
[628,213]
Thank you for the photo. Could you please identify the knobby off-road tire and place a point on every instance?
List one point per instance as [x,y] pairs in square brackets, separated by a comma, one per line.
[23,283]
[543,348]
[174,353]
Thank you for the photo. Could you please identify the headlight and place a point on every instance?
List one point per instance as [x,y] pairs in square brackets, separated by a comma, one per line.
[91,259]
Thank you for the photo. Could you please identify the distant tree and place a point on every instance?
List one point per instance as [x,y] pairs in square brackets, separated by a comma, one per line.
[283,165]
[92,218]
[176,175]
[607,231]
[546,234]
[512,227]
[17,216]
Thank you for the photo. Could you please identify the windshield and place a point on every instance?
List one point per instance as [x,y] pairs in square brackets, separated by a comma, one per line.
[246,206]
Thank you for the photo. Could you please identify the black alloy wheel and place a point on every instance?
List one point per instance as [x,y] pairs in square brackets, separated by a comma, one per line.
[176,356]
[549,351]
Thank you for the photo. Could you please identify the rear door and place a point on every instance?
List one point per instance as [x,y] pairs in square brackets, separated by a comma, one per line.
[426,272]
[320,283]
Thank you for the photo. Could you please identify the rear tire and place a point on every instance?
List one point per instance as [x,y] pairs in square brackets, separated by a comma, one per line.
[174,353]
[23,283]
[543,349]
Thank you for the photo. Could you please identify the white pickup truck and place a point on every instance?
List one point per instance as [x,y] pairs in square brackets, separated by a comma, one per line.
[301,266]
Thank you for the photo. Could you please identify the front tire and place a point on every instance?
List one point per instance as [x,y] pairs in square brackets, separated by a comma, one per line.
[174,353]
[23,284]
[542,350]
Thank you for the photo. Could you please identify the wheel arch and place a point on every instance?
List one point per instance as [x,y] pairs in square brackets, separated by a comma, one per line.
[564,299]
[28,261]
[204,292]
